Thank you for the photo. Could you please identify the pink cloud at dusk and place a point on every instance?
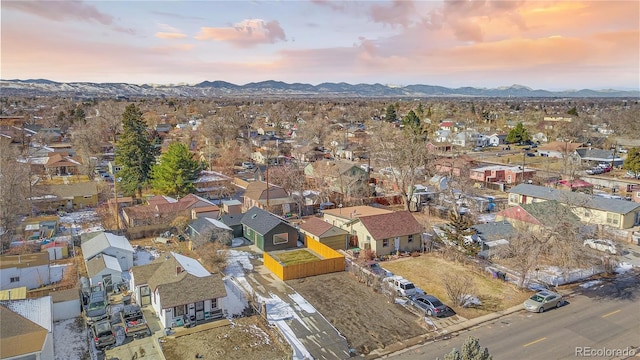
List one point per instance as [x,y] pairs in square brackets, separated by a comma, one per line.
[168,35]
[61,10]
[247,33]
[398,13]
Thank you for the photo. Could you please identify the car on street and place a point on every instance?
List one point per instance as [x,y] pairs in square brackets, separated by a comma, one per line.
[431,305]
[543,300]
[102,334]
[601,245]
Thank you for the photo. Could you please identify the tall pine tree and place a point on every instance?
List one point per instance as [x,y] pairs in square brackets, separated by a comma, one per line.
[135,153]
[457,231]
[176,172]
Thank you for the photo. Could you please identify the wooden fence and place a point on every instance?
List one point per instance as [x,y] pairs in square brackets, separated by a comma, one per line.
[332,261]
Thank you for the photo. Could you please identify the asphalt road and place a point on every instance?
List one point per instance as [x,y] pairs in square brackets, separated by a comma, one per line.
[604,316]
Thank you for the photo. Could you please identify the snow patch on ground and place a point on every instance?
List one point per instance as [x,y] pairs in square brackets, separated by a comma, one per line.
[302,303]
[144,256]
[70,340]
[470,300]
[623,267]
[80,217]
[235,302]
[590,284]
[238,262]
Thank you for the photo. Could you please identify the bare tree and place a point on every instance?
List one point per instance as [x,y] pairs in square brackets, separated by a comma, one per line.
[459,288]
[15,187]
[404,152]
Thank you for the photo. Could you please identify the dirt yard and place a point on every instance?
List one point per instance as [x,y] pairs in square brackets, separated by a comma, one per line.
[367,319]
[429,271]
[245,338]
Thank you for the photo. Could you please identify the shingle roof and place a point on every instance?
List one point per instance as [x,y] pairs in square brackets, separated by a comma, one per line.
[384,226]
[494,231]
[232,219]
[353,212]
[261,221]
[99,263]
[179,287]
[551,213]
[19,335]
[597,155]
[68,191]
[319,228]
[560,146]
[23,261]
[576,199]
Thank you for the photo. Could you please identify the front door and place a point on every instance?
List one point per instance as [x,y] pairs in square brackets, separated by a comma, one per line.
[145,296]
[107,282]
[200,310]
[397,243]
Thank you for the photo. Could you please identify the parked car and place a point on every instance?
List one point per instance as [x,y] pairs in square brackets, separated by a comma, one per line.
[401,286]
[601,245]
[97,307]
[543,300]
[247,165]
[431,305]
[103,335]
[133,322]
[530,154]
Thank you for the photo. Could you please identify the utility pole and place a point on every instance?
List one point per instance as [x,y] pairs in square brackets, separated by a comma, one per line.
[115,199]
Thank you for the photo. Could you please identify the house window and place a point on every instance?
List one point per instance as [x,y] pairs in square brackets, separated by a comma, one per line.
[513,198]
[280,238]
[613,219]
[214,303]
[410,238]
[87,196]
[15,279]
[368,238]
[385,243]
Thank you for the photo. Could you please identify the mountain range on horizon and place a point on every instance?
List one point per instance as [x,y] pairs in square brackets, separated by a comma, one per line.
[44,87]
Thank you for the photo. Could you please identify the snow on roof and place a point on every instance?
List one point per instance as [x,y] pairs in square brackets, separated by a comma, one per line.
[190,265]
[38,310]
[219,224]
[207,176]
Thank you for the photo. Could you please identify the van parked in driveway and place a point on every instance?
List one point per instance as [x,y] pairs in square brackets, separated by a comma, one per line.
[401,286]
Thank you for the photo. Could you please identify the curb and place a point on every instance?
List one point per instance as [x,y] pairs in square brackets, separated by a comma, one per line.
[407,345]
[446,333]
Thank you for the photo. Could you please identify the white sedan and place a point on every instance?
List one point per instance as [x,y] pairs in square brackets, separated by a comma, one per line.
[601,245]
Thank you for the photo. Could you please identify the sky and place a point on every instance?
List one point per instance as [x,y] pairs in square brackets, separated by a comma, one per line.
[553,45]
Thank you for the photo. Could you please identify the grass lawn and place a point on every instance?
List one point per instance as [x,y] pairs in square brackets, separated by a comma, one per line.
[295,257]
[428,273]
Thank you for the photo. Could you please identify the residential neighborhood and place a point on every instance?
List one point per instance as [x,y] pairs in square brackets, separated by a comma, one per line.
[268,238]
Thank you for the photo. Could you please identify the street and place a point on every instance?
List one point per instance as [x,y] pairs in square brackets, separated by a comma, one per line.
[606,315]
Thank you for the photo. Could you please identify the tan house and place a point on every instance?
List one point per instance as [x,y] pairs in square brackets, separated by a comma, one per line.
[272,198]
[595,210]
[343,177]
[382,231]
[164,209]
[327,234]
[65,196]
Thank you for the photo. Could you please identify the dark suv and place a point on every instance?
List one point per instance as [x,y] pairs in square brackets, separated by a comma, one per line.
[97,308]
[103,334]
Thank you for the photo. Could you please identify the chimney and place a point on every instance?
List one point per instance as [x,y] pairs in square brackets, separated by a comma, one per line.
[178,270]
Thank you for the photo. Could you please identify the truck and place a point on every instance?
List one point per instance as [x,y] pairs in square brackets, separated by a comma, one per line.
[133,322]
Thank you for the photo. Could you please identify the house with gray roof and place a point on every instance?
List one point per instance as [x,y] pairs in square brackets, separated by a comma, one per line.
[598,155]
[593,210]
[104,269]
[179,287]
[203,230]
[101,242]
[267,231]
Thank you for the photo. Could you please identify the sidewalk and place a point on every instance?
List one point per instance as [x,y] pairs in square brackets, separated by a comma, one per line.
[408,344]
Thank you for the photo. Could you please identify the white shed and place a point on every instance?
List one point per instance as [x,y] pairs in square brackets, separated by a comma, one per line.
[104,269]
[110,244]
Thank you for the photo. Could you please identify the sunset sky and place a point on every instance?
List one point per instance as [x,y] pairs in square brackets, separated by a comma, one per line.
[552,45]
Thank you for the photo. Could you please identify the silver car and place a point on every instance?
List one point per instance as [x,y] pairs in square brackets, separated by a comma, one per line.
[431,305]
[543,300]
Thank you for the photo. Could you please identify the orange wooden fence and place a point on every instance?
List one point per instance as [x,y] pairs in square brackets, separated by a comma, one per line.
[332,261]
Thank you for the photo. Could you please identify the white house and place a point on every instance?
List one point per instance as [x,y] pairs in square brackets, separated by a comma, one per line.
[496,139]
[109,244]
[29,270]
[26,329]
[104,269]
[177,286]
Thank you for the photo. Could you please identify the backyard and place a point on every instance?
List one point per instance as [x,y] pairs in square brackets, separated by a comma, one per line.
[294,257]
[246,338]
[429,272]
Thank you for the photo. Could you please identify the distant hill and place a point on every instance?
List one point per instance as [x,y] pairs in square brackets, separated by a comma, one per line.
[43,87]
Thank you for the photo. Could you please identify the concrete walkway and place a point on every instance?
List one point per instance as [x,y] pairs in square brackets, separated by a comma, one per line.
[317,335]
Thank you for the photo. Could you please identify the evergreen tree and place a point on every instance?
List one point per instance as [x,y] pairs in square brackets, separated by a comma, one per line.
[391,115]
[517,135]
[632,161]
[412,121]
[457,229]
[420,110]
[175,173]
[134,153]
[573,111]
[470,350]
